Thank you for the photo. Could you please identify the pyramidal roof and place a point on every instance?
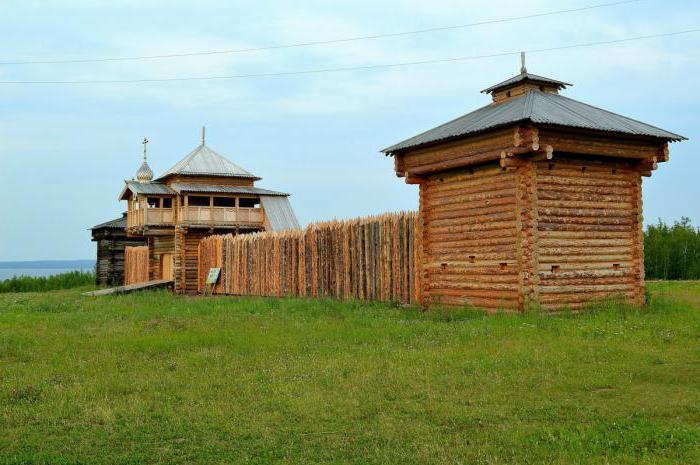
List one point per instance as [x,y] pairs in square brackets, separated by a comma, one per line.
[537,107]
[203,161]
[529,77]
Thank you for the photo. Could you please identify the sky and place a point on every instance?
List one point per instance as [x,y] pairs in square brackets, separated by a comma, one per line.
[65,150]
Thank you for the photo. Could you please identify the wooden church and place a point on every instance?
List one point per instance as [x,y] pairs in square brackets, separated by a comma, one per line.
[533,200]
[203,194]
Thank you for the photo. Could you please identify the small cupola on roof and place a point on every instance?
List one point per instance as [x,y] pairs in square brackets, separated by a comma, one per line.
[144,173]
[203,161]
[522,83]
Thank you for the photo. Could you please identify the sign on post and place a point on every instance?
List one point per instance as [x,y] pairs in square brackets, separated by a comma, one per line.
[212,278]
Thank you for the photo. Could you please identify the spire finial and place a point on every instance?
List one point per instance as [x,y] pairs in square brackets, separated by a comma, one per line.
[145,173]
[204,134]
[523,69]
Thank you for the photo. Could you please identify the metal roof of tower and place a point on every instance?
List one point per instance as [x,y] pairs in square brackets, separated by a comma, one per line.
[203,161]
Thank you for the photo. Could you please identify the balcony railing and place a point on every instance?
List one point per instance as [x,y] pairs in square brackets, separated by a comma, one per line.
[150,216]
[220,215]
[195,215]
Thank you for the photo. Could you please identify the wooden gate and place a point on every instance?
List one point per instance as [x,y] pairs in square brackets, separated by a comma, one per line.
[135,265]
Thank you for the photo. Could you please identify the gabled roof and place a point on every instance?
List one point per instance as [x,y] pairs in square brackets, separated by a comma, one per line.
[534,78]
[117,223]
[203,161]
[153,188]
[536,107]
[216,189]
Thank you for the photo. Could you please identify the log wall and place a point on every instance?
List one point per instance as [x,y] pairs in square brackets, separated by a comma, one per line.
[367,259]
[590,231]
[109,269]
[470,238]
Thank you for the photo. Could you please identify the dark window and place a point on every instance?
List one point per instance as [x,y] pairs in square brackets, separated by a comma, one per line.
[167,202]
[198,201]
[153,202]
[249,203]
[224,202]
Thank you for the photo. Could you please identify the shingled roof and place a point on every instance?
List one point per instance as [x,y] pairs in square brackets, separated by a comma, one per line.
[536,107]
[203,161]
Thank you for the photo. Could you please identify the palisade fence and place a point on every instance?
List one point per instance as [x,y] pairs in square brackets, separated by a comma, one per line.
[370,259]
[135,265]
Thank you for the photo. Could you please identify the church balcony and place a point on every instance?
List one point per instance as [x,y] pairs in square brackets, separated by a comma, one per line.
[221,215]
[150,217]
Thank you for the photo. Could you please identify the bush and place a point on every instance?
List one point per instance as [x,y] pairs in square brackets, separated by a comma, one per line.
[47,283]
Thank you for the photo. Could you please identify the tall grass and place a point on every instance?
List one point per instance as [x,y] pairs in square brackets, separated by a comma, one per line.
[67,280]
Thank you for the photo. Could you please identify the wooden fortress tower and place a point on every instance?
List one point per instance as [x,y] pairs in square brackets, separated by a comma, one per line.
[205,193]
[532,200]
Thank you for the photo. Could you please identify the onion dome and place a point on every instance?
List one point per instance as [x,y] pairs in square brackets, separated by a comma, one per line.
[144,173]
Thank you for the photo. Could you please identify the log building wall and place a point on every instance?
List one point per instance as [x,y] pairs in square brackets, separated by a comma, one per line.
[590,231]
[109,269]
[470,238]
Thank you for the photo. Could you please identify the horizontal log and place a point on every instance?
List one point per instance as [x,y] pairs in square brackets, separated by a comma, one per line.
[452,163]
[572,235]
[621,221]
[584,212]
[570,227]
[563,189]
[436,283]
[593,242]
[550,301]
[484,198]
[502,296]
[476,186]
[611,288]
[554,180]
[548,260]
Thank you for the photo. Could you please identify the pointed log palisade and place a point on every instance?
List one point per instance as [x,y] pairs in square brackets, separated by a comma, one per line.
[533,200]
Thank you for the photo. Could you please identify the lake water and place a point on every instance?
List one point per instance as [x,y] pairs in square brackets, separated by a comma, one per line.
[7,273]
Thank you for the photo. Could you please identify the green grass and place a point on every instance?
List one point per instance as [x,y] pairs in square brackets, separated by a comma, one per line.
[68,280]
[154,378]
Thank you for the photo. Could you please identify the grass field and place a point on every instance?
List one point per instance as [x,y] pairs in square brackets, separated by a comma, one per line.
[154,378]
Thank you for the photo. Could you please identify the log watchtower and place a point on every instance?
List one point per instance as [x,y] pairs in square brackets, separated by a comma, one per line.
[533,199]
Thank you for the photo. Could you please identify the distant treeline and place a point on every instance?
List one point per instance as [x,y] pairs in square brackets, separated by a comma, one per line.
[672,252]
[47,283]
